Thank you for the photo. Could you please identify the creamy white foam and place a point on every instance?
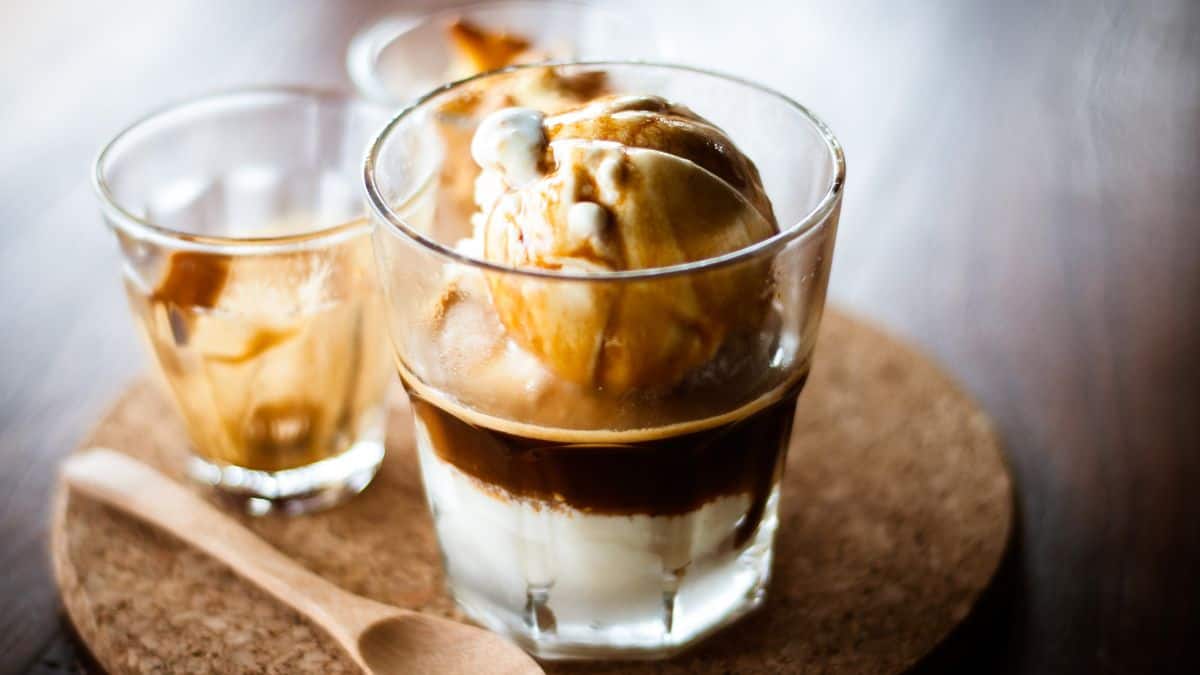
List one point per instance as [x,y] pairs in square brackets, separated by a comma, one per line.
[511,142]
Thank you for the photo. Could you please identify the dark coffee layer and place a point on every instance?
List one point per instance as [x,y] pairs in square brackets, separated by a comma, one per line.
[665,476]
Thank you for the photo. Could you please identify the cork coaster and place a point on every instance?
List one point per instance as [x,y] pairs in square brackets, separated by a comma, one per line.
[896,511]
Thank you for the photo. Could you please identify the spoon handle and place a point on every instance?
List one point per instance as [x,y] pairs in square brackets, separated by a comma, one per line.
[122,482]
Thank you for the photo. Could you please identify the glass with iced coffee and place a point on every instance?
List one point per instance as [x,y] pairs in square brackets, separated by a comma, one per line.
[248,266]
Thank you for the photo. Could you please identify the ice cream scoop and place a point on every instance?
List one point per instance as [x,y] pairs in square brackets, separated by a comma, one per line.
[545,89]
[621,183]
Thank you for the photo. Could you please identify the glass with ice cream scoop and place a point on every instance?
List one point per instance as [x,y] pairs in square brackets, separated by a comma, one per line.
[603,335]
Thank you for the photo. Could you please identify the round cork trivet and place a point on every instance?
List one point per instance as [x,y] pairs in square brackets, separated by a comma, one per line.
[896,511]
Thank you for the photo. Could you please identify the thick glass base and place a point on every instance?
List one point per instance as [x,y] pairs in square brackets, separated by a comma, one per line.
[722,590]
[293,491]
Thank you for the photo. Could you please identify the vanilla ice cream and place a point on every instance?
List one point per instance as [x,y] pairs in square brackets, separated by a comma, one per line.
[629,182]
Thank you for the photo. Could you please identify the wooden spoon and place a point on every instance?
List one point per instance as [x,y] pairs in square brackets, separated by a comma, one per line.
[380,638]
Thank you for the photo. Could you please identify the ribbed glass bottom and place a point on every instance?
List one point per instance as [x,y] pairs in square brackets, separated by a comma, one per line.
[313,487]
[566,584]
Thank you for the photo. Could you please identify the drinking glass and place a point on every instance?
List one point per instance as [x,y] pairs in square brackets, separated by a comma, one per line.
[247,262]
[397,59]
[611,518]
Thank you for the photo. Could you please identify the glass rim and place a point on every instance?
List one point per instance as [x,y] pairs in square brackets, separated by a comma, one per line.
[818,214]
[369,43]
[123,219]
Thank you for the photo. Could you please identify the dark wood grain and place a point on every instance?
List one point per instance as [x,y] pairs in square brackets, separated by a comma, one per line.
[1023,201]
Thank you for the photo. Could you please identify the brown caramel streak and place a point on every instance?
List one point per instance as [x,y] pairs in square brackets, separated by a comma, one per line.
[262,341]
[193,279]
[441,306]
[584,85]
[677,135]
[460,103]
[486,50]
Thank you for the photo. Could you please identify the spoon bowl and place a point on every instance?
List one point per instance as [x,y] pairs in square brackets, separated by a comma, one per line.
[412,644]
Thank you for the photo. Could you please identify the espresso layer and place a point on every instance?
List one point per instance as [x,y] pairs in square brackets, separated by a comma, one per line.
[671,475]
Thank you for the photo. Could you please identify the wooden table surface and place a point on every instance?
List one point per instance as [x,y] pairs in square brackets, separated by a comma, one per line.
[1023,202]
